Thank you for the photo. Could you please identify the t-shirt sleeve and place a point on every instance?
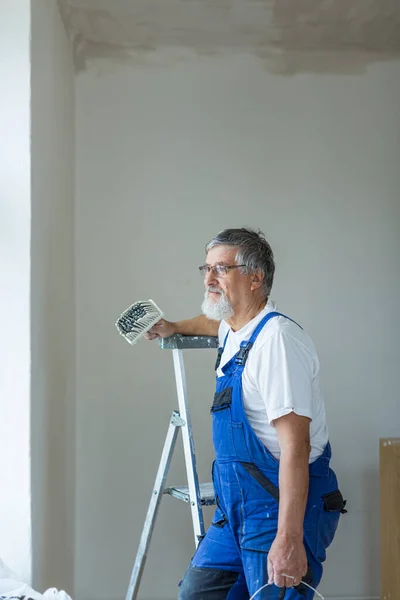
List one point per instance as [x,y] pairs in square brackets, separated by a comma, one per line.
[284,376]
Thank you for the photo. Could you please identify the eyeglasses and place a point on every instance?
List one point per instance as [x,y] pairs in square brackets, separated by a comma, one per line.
[218,270]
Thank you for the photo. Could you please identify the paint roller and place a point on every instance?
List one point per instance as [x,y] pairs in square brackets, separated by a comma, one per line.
[138,319]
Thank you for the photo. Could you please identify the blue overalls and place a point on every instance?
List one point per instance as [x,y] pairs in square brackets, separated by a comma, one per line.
[231,561]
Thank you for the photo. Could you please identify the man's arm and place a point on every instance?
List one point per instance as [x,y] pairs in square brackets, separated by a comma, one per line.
[287,554]
[197,326]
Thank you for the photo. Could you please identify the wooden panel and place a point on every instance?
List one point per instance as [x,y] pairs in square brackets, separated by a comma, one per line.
[389,451]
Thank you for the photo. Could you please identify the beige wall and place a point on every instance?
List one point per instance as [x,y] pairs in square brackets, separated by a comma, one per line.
[52,300]
[168,153]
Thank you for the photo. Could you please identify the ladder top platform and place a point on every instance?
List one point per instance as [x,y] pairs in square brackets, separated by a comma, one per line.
[187,342]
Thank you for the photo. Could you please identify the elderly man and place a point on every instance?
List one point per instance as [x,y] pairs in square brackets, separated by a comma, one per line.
[278,503]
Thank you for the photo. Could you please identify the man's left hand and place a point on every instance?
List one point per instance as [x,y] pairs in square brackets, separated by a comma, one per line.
[287,556]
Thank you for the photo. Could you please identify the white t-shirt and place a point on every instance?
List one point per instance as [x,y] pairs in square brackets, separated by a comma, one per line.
[281,375]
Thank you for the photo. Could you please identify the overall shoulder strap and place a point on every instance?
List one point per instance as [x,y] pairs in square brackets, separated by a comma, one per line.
[245,346]
[220,352]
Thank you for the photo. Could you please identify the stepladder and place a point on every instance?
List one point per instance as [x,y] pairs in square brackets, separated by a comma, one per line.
[194,493]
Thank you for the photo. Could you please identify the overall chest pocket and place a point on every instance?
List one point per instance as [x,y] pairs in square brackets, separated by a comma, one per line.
[222,400]
[222,425]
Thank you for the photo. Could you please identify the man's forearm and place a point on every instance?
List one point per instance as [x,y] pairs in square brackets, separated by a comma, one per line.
[293,490]
[197,326]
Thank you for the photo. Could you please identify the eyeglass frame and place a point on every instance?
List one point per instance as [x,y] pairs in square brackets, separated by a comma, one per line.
[205,269]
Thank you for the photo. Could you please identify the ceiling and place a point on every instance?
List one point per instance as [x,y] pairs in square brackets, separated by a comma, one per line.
[122,27]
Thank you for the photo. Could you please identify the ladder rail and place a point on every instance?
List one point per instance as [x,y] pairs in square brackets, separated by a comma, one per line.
[188,447]
[159,485]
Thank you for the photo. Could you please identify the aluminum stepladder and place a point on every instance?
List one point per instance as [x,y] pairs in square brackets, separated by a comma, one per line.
[197,495]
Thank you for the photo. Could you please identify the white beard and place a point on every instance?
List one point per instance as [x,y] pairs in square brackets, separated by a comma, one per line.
[217,310]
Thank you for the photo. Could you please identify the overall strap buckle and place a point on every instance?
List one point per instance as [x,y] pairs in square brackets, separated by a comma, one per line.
[241,356]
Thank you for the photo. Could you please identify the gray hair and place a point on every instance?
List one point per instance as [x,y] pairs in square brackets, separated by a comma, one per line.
[253,251]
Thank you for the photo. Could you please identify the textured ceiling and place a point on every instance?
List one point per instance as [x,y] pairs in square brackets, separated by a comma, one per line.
[120,27]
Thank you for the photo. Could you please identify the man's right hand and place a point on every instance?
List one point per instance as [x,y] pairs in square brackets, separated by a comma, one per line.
[196,326]
[162,329]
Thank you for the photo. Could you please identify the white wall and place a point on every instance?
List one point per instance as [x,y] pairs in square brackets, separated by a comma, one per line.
[169,153]
[53,316]
[15,215]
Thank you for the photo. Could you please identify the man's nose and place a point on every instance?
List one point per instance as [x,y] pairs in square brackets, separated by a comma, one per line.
[210,278]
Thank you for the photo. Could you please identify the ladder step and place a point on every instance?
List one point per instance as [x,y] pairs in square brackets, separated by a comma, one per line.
[182,493]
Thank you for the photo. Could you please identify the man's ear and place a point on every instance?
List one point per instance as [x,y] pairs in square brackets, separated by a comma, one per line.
[257,280]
